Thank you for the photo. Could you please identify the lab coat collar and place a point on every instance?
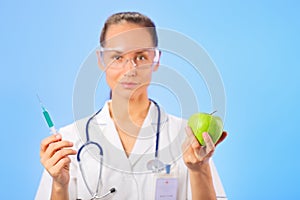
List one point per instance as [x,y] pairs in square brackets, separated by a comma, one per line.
[145,143]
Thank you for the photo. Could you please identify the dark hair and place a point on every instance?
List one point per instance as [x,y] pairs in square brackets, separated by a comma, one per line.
[132,17]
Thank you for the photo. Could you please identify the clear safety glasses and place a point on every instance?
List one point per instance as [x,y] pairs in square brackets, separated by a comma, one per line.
[141,58]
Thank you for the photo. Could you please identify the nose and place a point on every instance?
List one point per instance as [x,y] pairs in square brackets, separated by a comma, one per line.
[131,71]
[131,63]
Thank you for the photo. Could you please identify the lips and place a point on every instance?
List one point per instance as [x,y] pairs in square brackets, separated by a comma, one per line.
[129,85]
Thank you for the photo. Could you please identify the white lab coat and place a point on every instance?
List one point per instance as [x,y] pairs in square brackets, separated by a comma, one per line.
[128,175]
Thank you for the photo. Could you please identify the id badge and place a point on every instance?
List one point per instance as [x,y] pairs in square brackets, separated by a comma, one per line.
[166,186]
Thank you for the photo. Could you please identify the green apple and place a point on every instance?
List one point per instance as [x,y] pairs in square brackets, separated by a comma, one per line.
[204,122]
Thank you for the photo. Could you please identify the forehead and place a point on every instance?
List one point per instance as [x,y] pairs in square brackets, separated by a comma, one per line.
[128,36]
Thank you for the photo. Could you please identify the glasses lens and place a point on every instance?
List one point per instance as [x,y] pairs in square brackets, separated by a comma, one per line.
[140,58]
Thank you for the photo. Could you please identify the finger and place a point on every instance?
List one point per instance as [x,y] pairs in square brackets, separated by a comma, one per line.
[223,136]
[188,131]
[52,138]
[198,150]
[208,142]
[195,143]
[189,157]
[58,156]
[189,139]
[55,146]
[186,144]
[55,171]
[192,137]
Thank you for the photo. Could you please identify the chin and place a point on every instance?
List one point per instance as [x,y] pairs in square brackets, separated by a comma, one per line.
[129,93]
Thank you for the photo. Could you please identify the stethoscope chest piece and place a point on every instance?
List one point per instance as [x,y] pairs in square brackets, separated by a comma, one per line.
[155,165]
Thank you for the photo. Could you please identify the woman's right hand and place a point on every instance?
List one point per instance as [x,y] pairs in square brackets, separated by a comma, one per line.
[54,155]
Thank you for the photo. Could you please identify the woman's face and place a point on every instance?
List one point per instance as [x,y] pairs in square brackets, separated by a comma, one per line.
[127,59]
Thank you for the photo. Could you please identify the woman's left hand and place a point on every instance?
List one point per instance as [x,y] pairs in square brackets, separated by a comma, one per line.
[194,155]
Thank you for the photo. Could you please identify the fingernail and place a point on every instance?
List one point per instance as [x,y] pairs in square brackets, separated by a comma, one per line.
[204,134]
[57,136]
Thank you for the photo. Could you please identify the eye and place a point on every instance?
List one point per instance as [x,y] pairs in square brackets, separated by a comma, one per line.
[116,57]
[141,57]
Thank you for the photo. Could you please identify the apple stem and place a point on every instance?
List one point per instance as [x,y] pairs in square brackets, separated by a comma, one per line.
[213,112]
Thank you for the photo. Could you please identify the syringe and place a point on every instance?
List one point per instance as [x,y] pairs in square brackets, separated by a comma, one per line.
[47,117]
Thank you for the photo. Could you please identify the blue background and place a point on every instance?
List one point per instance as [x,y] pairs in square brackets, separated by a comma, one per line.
[254,44]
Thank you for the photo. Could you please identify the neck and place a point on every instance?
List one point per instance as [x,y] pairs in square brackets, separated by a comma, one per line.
[134,109]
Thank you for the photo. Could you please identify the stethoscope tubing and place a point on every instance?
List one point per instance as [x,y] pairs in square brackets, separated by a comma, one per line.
[157,129]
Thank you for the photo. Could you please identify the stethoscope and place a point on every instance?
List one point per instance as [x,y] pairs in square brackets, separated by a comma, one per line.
[155,164]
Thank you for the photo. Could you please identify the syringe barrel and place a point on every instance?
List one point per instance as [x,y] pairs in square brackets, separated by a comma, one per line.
[48,119]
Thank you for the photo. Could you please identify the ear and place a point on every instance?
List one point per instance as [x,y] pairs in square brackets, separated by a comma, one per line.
[155,67]
[99,62]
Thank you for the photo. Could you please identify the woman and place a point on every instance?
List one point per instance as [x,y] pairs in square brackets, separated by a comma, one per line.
[137,138]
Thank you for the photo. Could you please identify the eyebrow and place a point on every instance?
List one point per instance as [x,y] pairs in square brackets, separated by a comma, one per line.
[141,51]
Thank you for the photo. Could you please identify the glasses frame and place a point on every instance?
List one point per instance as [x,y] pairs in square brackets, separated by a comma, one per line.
[155,60]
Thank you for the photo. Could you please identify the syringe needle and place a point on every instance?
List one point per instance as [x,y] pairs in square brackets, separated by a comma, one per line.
[41,104]
[39,98]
